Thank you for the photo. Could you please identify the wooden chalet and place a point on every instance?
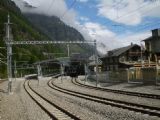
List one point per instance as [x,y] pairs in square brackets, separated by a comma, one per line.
[152,45]
[124,57]
[92,63]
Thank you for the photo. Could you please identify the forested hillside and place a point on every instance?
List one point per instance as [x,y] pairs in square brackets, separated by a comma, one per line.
[22,29]
[55,29]
[36,27]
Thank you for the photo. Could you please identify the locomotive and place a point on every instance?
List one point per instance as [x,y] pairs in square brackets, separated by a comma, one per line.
[74,70]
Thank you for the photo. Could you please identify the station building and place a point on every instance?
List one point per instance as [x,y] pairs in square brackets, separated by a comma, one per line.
[123,57]
[152,45]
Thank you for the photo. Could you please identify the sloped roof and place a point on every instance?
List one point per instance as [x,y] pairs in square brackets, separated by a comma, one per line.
[119,51]
[79,57]
[64,60]
[91,58]
[94,63]
[60,60]
[151,38]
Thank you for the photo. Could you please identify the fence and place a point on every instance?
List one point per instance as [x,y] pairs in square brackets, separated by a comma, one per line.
[137,75]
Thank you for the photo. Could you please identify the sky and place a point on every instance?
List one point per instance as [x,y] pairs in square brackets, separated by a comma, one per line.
[112,23]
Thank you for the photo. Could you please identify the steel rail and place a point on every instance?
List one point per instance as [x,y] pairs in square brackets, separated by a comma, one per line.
[52,115]
[144,95]
[153,111]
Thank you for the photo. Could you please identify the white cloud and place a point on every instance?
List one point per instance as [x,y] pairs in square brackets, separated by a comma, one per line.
[85,19]
[97,29]
[135,38]
[129,12]
[50,8]
[55,8]
[106,39]
[47,7]
[83,0]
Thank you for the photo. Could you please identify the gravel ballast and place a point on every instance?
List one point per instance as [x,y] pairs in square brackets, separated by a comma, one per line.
[133,99]
[19,106]
[105,112]
[132,87]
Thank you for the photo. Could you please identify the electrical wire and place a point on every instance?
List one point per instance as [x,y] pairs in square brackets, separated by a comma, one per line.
[130,12]
[147,25]
[71,6]
[51,5]
[133,11]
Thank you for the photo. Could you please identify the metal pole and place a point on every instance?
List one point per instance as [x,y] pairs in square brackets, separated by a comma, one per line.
[9,67]
[15,69]
[86,73]
[9,55]
[61,72]
[142,56]
[96,61]
[68,50]
[39,72]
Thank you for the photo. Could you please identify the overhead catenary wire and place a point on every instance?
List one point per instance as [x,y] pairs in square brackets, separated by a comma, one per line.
[119,17]
[147,26]
[138,28]
[125,15]
[71,6]
[132,11]
[51,5]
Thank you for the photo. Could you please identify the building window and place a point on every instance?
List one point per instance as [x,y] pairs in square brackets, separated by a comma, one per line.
[122,59]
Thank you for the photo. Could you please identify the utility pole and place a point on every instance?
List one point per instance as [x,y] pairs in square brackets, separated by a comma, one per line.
[9,38]
[68,50]
[39,74]
[62,72]
[96,61]
[9,42]
[86,72]
[15,69]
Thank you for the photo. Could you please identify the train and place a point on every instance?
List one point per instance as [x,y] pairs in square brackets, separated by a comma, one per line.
[74,70]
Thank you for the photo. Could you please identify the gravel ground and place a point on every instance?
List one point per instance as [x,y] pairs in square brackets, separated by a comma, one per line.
[19,106]
[133,87]
[146,101]
[66,101]
[88,109]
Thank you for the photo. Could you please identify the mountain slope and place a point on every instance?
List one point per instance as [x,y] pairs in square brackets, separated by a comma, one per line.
[55,29]
[22,29]
[36,28]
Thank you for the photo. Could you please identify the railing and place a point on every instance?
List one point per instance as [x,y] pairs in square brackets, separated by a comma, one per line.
[132,75]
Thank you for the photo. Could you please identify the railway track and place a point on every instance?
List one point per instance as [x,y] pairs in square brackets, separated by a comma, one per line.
[153,111]
[55,112]
[144,95]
